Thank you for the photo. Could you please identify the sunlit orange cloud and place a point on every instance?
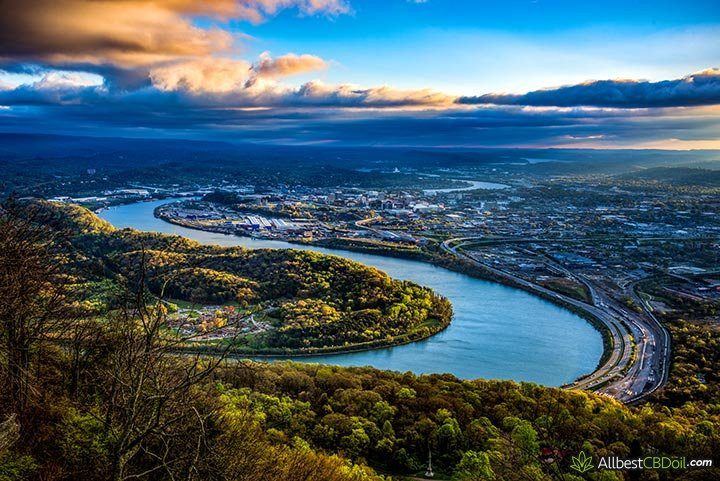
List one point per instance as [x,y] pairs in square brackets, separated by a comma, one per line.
[289,64]
[704,110]
[224,75]
[129,33]
[347,95]
[237,84]
[203,75]
[126,34]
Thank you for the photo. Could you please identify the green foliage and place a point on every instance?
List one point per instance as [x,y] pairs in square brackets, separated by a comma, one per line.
[695,370]
[16,467]
[474,466]
[475,429]
[287,421]
[83,442]
[325,302]
[284,421]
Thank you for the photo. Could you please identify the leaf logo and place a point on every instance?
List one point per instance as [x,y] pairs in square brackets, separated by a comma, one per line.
[581,463]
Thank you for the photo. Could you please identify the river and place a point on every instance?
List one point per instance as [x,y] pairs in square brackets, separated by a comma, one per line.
[474,185]
[497,332]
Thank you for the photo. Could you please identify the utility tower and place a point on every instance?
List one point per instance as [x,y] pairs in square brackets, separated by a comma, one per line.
[429,473]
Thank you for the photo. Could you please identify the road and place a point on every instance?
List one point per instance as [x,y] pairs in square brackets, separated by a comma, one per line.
[653,341]
[658,364]
[628,374]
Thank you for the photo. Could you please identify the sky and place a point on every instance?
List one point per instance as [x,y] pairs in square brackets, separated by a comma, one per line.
[429,73]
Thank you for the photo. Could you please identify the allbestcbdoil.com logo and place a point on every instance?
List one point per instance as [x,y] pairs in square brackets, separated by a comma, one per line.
[583,463]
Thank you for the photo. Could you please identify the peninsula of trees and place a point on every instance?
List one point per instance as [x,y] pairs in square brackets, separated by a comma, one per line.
[312,302]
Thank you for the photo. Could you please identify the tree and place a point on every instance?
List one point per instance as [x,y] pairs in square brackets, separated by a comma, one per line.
[474,466]
[155,413]
[515,454]
[9,431]
[33,302]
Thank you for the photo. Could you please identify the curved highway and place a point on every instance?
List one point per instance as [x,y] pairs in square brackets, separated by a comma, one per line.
[638,362]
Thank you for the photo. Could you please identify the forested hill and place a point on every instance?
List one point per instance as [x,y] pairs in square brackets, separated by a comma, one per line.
[318,302]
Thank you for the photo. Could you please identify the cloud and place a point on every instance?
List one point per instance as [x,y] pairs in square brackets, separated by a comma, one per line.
[58,80]
[253,10]
[320,93]
[151,113]
[206,75]
[701,88]
[123,33]
[215,98]
[289,64]
[223,82]
[130,34]
[236,83]
[220,84]
[57,89]
[210,77]
[316,93]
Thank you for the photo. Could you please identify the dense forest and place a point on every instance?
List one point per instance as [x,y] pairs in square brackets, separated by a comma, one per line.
[107,397]
[321,302]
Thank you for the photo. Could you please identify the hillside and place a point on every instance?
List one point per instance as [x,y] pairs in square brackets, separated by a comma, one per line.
[313,302]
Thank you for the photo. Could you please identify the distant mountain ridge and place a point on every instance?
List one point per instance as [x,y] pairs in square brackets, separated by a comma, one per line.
[49,165]
[678,175]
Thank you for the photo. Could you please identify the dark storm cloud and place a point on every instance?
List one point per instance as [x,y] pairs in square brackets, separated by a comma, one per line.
[145,113]
[702,88]
[270,112]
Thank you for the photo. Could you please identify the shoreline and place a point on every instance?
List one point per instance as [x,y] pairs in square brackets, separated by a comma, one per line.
[451,263]
[327,351]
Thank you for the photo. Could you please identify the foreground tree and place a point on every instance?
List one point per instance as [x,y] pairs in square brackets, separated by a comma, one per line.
[155,410]
[33,303]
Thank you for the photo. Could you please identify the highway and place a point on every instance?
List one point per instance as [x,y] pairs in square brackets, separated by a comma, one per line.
[658,365]
[639,358]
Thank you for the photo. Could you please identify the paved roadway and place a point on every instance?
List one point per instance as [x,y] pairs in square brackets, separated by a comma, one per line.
[623,376]
[656,365]
[653,348]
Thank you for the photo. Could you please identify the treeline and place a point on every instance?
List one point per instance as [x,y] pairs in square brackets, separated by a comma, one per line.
[324,302]
[475,429]
[692,323]
[695,370]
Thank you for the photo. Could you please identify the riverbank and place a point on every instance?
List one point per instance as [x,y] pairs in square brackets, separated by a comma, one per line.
[454,263]
[282,353]
[494,333]
[434,255]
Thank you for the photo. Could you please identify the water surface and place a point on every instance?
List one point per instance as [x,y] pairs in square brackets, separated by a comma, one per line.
[474,185]
[497,332]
